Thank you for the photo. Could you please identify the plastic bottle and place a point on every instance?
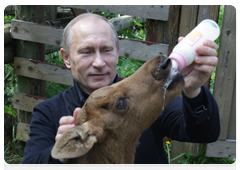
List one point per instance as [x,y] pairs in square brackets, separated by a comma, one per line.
[184,52]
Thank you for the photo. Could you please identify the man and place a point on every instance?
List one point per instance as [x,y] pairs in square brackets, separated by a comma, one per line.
[90,48]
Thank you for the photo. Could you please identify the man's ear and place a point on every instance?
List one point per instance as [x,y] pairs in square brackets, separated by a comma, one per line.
[66,58]
[75,142]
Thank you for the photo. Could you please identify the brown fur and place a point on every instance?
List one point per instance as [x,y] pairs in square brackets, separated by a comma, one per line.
[108,130]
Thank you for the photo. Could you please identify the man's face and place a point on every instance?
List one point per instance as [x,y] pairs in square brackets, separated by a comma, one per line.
[93,54]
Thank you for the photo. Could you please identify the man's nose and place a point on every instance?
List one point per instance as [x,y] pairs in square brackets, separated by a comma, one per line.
[98,61]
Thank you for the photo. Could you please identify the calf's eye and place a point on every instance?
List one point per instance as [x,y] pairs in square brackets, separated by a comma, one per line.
[121,104]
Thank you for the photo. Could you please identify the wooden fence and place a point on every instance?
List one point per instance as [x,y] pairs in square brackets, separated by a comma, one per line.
[161,17]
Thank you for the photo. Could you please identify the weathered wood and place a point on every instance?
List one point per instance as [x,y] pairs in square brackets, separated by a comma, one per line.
[165,32]
[31,13]
[26,102]
[9,9]
[7,35]
[9,50]
[51,48]
[141,50]
[9,53]
[178,148]
[78,11]
[42,71]
[224,149]
[208,12]
[64,12]
[125,21]
[188,19]
[226,69]
[23,132]
[232,125]
[33,32]
[159,12]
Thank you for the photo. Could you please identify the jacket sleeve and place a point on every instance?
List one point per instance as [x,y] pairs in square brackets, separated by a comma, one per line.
[43,129]
[191,120]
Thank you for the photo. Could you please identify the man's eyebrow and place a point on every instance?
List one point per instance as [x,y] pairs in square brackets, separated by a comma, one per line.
[106,46]
[85,47]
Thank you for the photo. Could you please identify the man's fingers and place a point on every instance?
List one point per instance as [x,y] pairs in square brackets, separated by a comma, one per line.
[58,136]
[206,51]
[206,60]
[210,44]
[66,120]
[76,111]
[180,39]
[63,128]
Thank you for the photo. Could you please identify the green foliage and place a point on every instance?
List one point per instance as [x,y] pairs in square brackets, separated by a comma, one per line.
[201,159]
[8,18]
[138,31]
[10,111]
[10,84]
[167,147]
[127,66]
[12,152]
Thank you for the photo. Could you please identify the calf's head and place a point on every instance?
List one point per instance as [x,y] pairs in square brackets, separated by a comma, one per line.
[122,111]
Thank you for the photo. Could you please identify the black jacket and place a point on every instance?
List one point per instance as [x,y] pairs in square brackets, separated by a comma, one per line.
[178,121]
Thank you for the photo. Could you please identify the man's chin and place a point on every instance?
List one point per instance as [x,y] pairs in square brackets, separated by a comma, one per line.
[98,85]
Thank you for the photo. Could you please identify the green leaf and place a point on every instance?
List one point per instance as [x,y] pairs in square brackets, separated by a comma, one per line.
[137,23]
[10,111]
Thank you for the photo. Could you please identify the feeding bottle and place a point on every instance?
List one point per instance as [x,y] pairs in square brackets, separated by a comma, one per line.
[184,52]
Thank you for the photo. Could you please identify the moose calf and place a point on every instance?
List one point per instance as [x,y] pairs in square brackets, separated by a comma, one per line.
[110,123]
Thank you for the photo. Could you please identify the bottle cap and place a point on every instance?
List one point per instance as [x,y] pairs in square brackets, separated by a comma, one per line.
[179,59]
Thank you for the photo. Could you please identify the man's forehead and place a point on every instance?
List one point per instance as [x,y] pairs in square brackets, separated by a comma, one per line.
[91,21]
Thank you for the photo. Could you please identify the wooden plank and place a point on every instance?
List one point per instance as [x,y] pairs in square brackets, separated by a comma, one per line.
[178,148]
[188,19]
[208,12]
[43,71]
[29,31]
[26,102]
[226,69]
[224,149]
[232,120]
[158,12]
[23,132]
[31,50]
[141,50]
[165,32]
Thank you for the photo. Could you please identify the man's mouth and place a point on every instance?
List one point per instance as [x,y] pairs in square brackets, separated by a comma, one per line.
[98,76]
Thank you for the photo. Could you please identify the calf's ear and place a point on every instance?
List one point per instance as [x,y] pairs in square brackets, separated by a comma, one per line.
[75,142]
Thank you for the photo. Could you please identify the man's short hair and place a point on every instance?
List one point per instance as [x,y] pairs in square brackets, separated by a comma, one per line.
[67,33]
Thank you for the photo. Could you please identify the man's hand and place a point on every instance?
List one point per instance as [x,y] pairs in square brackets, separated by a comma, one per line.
[197,74]
[66,122]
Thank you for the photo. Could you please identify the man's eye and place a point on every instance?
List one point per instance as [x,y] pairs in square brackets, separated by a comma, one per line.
[85,52]
[107,50]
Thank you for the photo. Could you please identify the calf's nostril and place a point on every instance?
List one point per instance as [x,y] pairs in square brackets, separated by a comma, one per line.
[166,64]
